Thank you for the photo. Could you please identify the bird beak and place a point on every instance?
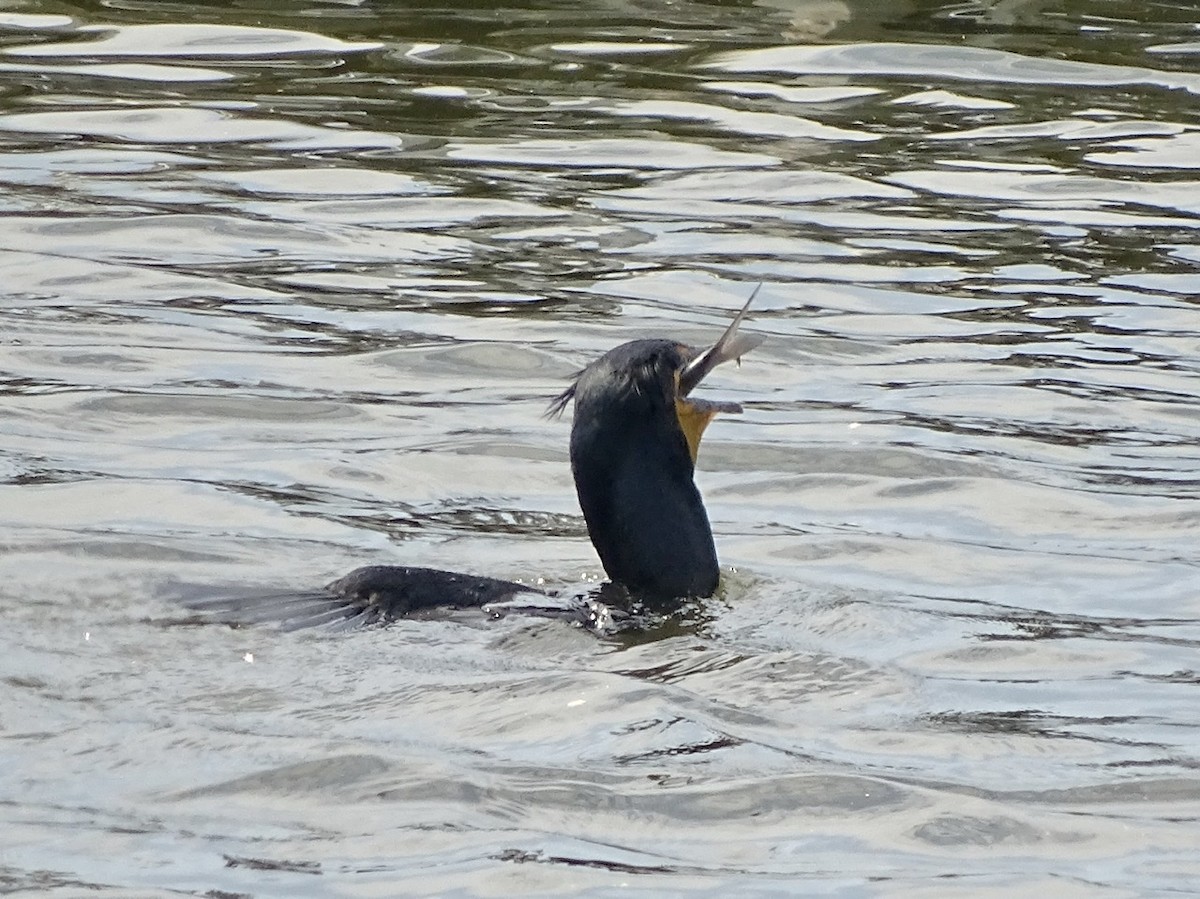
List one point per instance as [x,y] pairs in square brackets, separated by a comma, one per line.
[732,345]
[694,415]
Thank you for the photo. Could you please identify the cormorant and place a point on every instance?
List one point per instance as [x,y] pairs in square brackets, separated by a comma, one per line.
[634,439]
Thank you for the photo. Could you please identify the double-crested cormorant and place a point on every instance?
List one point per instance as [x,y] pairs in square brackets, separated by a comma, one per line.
[634,439]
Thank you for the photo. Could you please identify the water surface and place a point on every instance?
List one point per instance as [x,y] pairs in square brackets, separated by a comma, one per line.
[288,292]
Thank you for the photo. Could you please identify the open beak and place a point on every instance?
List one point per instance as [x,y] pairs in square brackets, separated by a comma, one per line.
[694,415]
[732,345]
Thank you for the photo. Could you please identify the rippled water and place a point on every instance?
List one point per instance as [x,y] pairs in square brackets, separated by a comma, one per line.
[284,293]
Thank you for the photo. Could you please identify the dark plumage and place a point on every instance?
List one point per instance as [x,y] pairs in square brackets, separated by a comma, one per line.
[633,472]
[365,596]
[634,440]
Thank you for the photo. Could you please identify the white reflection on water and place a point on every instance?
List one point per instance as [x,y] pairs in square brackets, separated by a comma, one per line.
[301,308]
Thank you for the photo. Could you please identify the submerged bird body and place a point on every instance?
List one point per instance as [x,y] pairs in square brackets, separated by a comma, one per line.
[370,595]
[397,590]
[634,439]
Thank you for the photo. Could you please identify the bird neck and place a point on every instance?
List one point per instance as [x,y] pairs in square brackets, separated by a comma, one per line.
[634,479]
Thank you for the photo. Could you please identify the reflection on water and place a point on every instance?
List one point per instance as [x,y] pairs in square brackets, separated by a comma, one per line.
[287,292]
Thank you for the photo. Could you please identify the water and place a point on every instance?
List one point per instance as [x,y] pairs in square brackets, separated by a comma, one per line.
[288,292]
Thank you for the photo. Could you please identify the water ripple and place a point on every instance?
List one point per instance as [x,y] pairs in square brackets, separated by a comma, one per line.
[287,292]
